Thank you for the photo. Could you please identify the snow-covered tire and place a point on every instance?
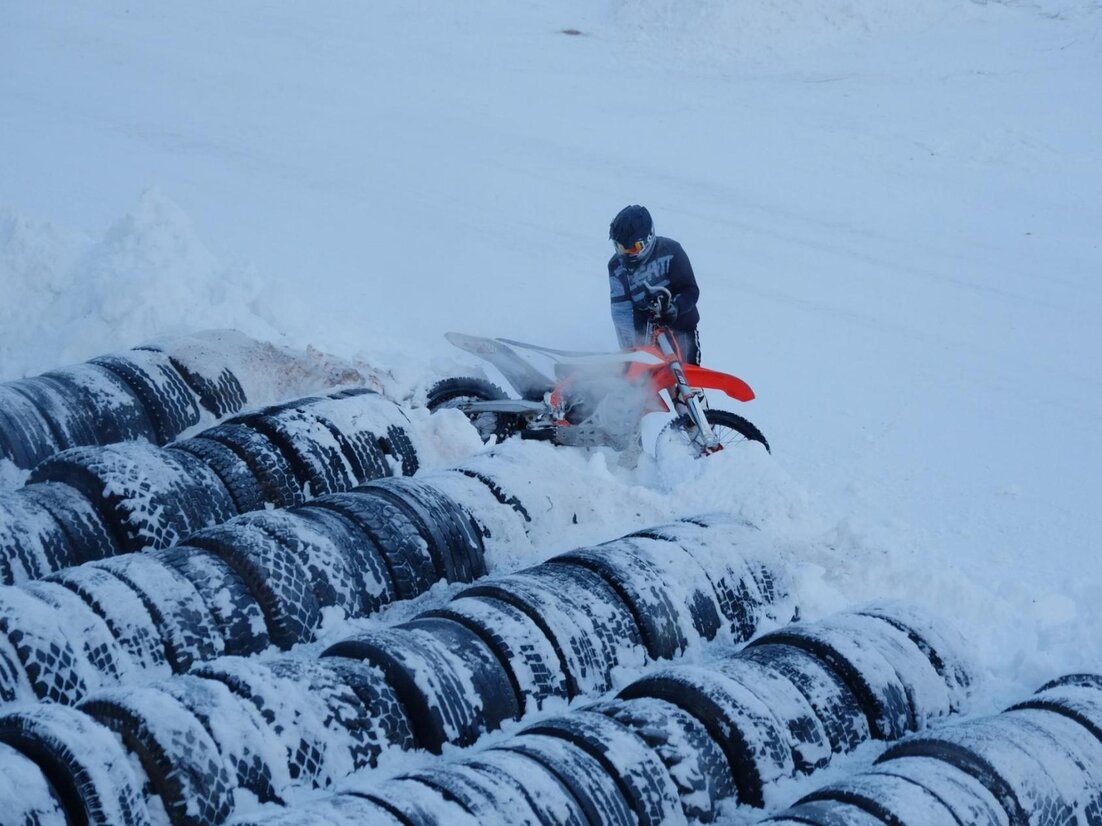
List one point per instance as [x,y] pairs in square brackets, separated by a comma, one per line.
[454,541]
[1077,697]
[695,761]
[473,792]
[369,427]
[220,393]
[862,666]
[88,634]
[550,800]
[390,725]
[14,685]
[29,799]
[84,527]
[171,405]
[528,656]
[754,741]
[402,546]
[276,580]
[968,800]
[941,645]
[498,492]
[450,393]
[414,803]
[244,739]
[837,707]
[824,813]
[124,612]
[235,611]
[730,429]
[278,483]
[749,593]
[182,762]
[149,497]
[1041,767]
[399,446]
[334,810]
[589,626]
[85,764]
[114,412]
[63,408]
[182,617]
[55,669]
[637,769]
[234,472]
[431,664]
[371,583]
[25,436]
[596,791]
[668,593]
[310,447]
[32,541]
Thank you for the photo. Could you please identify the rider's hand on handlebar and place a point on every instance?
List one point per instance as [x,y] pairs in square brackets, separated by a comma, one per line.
[663,307]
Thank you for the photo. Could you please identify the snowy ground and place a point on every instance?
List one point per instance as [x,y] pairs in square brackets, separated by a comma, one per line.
[893,216]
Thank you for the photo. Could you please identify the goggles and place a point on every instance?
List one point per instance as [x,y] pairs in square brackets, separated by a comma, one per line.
[631,249]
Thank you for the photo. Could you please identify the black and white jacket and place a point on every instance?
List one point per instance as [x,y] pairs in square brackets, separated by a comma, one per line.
[667,266]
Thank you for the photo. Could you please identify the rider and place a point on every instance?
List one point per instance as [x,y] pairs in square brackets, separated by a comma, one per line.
[642,258]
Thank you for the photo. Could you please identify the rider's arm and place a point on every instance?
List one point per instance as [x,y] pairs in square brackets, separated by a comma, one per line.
[623,315]
[683,284]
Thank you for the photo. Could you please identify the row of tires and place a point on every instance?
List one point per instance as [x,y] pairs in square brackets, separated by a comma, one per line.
[675,745]
[266,578]
[1039,762]
[153,393]
[91,503]
[237,728]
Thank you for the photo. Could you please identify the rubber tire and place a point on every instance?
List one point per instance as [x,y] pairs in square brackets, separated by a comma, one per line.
[114,412]
[182,762]
[278,482]
[276,580]
[29,799]
[234,472]
[590,627]
[636,768]
[695,761]
[149,497]
[450,393]
[187,628]
[235,611]
[81,521]
[398,536]
[533,666]
[25,435]
[171,405]
[718,419]
[32,542]
[220,394]
[596,791]
[84,763]
[968,799]
[124,612]
[551,801]
[440,711]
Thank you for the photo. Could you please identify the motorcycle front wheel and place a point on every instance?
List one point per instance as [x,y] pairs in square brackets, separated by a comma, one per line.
[730,429]
[455,392]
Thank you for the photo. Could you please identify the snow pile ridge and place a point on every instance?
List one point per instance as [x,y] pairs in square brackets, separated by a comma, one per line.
[150,275]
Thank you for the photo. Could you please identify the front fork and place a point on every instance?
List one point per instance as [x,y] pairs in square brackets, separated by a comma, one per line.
[686,397]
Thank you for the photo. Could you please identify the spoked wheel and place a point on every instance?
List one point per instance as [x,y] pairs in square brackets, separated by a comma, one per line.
[730,429]
[455,393]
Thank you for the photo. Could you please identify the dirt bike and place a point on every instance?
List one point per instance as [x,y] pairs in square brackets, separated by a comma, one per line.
[597,399]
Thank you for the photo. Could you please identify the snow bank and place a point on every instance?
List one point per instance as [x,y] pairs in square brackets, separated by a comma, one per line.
[68,297]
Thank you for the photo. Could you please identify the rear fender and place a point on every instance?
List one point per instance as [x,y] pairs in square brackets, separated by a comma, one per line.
[733,386]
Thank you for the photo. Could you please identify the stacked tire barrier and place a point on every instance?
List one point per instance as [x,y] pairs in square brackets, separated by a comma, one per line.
[1039,762]
[674,745]
[262,579]
[152,393]
[236,727]
[91,503]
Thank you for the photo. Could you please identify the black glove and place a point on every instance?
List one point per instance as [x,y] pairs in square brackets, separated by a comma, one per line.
[664,307]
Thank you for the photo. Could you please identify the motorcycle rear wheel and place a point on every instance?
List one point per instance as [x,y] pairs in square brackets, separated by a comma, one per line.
[455,392]
[730,429]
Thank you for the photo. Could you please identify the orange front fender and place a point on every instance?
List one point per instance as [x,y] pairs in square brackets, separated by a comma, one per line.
[733,386]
